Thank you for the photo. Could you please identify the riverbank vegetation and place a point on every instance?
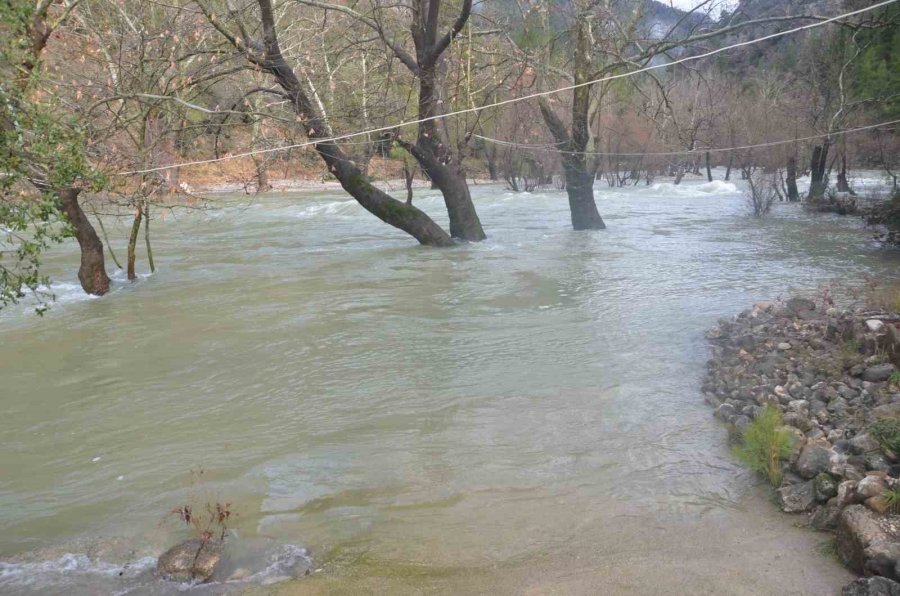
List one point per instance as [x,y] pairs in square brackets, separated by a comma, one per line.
[764,445]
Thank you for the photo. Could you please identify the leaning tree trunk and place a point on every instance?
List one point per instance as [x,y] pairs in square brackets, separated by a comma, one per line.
[377,202]
[793,194]
[92,273]
[728,169]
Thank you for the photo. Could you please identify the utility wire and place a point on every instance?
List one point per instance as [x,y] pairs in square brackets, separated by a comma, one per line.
[686,152]
[522,98]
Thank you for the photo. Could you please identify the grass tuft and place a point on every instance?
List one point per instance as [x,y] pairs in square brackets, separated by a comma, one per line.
[764,444]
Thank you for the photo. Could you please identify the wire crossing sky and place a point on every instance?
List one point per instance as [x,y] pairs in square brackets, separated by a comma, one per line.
[692,151]
[513,100]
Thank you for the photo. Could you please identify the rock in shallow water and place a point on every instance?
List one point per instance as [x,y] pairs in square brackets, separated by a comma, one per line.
[825,517]
[872,586]
[189,561]
[797,498]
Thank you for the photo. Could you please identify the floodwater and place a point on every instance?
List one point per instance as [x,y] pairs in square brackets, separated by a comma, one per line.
[521,415]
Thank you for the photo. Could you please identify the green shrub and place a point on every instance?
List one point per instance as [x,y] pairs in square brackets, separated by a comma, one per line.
[765,444]
[891,496]
[887,432]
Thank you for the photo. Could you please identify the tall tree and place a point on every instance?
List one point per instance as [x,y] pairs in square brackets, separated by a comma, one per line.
[41,146]
[432,148]
[266,54]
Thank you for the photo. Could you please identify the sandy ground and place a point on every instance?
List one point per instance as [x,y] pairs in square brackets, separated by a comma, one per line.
[747,551]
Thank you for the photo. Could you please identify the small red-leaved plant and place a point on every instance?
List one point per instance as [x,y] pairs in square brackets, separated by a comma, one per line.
[211,521]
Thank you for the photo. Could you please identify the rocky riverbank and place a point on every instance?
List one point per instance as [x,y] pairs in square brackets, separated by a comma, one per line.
[832,374]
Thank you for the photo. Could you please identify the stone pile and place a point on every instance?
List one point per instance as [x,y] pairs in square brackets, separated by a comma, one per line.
[833,374]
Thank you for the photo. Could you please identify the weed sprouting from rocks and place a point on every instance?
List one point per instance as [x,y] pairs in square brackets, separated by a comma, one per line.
[764,444]
[887,432]
[891,497]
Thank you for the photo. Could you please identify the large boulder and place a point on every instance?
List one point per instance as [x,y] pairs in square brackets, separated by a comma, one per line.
[826,487]
[825,517]
[796,306]
[872,586]
[868,543]
[814,459]
[726,412]
[191,560]
[870,486]
[879,373]
[864,443]
[797,498]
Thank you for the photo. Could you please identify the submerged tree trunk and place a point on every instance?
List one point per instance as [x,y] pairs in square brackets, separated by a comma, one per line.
[432,147]
[147,237]
[408,174]
[269,58]
[580,188]
[728,169]
[817,180]
[132,241]
[793,194]
[843,185]
[579,181]
[579,178]
[92,273]
[262,176]
[708,168]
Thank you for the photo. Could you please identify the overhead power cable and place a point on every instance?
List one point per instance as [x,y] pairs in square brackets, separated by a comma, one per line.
[513,100]
[555,149]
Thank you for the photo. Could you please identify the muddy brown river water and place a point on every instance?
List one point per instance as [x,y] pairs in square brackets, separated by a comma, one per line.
[521,415]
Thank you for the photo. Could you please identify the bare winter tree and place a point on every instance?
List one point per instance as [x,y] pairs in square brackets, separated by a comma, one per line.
[604,38]
[761,193]
[265,53]
[432,149]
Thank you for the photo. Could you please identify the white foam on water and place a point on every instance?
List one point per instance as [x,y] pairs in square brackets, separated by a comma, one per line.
[717,186]
[60,571]
[287,562]
[323,209]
